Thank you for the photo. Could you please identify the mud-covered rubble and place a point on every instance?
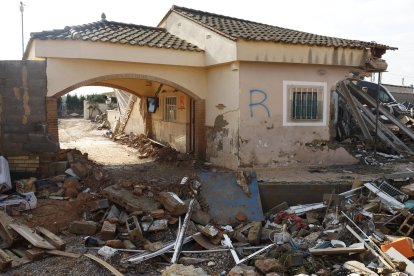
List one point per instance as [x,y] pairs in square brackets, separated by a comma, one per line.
[130,227]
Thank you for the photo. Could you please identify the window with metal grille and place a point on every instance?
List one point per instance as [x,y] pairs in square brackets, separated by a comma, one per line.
[304,103]
[170,112]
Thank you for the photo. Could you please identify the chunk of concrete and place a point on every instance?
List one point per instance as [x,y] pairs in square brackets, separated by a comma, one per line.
[243,270]
[269,265]
[255,233]
[179,269]
[108,231]
[200,217]
[129,201]
[83,227]
[80,169]
[172,203]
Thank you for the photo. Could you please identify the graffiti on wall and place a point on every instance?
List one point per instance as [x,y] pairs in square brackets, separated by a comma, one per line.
[257,100]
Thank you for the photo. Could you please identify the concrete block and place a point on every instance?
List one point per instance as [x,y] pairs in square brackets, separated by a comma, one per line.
[255,233]
[98,204]
[83,227]
[172,203]
[108,231]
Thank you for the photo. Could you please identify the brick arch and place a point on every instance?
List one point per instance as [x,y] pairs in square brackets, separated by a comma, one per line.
[99,80]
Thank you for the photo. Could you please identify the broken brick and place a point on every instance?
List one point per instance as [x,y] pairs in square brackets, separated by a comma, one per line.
[108,231]
[83,227]
[172,203]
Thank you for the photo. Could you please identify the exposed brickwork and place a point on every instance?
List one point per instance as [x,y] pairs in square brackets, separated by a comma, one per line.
[52,118]
[28,163]
[200,133]
[23,123]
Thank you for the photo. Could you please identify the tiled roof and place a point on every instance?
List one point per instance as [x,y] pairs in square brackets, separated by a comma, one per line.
[234,28]
[122,33]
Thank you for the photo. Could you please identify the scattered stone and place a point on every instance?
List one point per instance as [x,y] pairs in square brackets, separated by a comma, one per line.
[80,169]
[208,230]
[182,270]
[192,261]
[159,213]
[269,265]
[129,244]
[243,270]
[83,227]
[152,246]
[211,263]
[156,225]
[115,243]
[200,217]
[98,204]
[108,231]
[255,233]
[172,203]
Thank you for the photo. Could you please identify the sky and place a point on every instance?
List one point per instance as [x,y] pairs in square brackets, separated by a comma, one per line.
[383,21]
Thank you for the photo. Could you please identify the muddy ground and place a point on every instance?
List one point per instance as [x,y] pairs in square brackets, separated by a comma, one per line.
[119,162]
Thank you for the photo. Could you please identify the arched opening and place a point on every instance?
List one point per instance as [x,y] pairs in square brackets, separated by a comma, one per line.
[162,110]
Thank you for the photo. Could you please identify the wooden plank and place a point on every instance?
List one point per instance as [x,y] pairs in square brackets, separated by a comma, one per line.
[355,112]
[5,261]
[31,236]
[382,110]
[384,131]
[52,238]
[105,264]
[16,259]
[337,251]
[63,253]
[35,253]
[7,236]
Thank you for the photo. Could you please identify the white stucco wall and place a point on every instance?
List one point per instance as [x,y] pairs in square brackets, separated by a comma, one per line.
[222,115]
[67,74]
[264,140]
[135,123]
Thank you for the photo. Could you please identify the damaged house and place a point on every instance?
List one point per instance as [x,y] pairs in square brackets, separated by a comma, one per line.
[235,92]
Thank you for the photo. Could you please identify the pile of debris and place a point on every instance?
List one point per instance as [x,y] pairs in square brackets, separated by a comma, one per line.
[386,126]
[211,224]
[149,148]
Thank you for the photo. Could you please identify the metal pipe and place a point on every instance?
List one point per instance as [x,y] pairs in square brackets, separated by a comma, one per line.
[377,115]
[178,244]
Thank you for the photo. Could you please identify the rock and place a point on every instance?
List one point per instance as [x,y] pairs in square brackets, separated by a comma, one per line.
[192,261]
[255,233]
[159,213]
[152,246]
[172,203]
[272,274]
[156,225]
[211,263]
[83,227]
[269,265]
[243,270]
[196,205]
[71,187]
[208,230]
[80,169]
[129,244]
[108,231]
[98,204]
[115,243]
[113,215]
[241,217]
[182,270]
[200,217]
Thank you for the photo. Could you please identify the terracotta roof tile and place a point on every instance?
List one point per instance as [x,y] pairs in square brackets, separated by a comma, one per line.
[115,32]
[235,28]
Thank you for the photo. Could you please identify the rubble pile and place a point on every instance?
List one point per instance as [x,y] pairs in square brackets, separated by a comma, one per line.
[135,228]
[149,148]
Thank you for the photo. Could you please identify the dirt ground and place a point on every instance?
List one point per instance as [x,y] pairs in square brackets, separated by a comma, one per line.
[119,162]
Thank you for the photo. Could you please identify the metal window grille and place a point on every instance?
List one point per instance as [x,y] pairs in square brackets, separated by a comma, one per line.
[304,102]
[170,109]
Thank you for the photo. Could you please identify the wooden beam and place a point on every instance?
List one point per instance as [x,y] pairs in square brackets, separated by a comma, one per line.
[52,238]
[31,236]
[105,264]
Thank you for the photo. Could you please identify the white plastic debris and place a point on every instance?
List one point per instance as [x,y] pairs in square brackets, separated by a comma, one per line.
[5,180]
[107,252]
[184,180]
[23,201]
